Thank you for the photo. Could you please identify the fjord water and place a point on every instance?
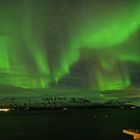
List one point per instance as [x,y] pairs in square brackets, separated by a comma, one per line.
[78,124]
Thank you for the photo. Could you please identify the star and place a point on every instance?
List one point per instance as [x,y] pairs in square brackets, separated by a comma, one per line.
[63,8]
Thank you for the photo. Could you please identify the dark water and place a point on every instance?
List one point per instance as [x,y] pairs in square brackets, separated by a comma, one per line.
[76,124]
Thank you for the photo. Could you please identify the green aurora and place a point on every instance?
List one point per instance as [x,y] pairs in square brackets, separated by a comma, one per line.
[40,41]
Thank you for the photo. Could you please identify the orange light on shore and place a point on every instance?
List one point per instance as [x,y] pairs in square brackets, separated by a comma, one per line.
[135,133]
[4,109]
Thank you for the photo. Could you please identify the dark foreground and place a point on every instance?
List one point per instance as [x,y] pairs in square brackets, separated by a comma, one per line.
[74,124]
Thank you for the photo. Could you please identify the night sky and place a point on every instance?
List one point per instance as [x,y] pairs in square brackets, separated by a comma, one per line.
[92,44]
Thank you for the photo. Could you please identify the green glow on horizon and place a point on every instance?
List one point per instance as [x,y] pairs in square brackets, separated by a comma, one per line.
[114,79]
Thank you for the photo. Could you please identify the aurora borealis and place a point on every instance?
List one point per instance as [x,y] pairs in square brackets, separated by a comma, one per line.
[43,41]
